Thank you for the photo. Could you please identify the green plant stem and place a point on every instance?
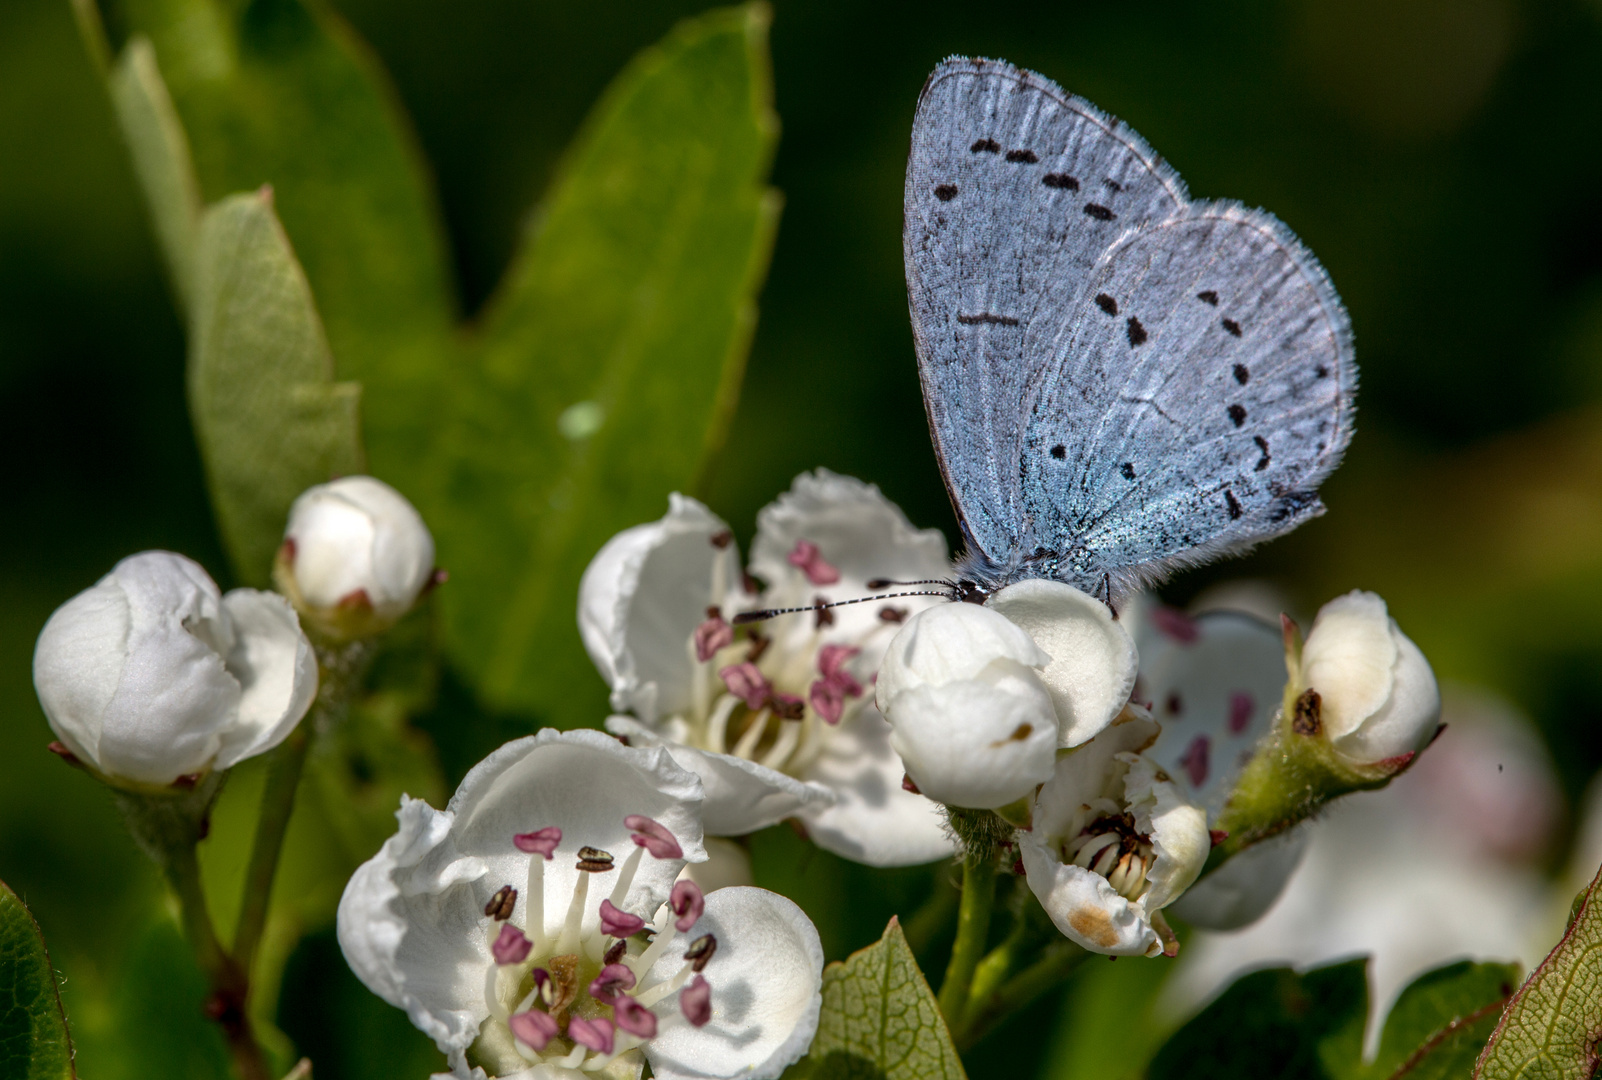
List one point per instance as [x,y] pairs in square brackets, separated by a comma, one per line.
[229,985]
[996,966]
[973,930]
[1022,989]
[277,804]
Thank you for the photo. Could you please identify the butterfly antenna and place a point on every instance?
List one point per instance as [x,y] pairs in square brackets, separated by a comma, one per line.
[885,583]
[745,617]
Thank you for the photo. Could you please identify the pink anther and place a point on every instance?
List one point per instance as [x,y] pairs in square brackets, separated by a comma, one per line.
[1175,624]
[1195,761]
[595,1034]
[654,837]
[1240,711]
[687,903]
[634,1018]
[540,841]
[696,1001]
[712,635]
[619,924]
[612,981]
[811,563]
[534,1028]
[745,682]
[511,947]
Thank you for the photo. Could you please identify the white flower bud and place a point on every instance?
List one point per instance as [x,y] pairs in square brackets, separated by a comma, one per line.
[969,716]
[1377,697]
[152,674]
[355,558]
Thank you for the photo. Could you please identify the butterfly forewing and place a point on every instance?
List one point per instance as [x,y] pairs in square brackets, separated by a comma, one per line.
[1014,192]
[1195,398]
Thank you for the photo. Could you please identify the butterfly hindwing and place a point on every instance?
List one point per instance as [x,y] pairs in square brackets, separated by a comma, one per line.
[1015,190]
[1196,397]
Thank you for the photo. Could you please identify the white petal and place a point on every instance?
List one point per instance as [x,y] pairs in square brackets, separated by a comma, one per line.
[766,980]
[78,663]
[1215,694]
[585,783]
[1093,659]
[873,820]
[276,669]
[1087,772]
[1082,904]
[641,599]
[1349,657]
[857,530]
[174,697]
[948,643]
[1409,717]
[727,863]
[981,742]
[409,933]
[1246,886]
[741,796]
[1178,831]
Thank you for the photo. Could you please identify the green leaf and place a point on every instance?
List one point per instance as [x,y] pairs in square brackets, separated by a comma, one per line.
[609,363]
[34,1043]
[880,1021]
[269,418]
[282,92]
[161,161]
[1273,1024]
[1552,1025]
[1441,1021]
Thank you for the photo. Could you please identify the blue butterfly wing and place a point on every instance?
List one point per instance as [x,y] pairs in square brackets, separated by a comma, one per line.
[1015,191]
[1197,395]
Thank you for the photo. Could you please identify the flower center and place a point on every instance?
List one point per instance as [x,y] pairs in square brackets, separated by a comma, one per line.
[1111,846]
[770,697]
[580,998]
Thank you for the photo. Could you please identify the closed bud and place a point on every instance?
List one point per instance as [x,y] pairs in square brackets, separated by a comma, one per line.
[153,675]
[355,558]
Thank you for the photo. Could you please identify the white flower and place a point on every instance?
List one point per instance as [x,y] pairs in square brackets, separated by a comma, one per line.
[1112,841]
[1376,695]
[534,928]
[356,556]
[777,718]
[1215,681]
[970,718]
[980,699]
[152,674]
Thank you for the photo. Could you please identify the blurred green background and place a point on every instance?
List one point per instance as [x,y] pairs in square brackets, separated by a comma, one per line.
[1442,157]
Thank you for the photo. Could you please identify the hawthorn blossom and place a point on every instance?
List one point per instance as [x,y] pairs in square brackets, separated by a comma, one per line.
[355,558]
[154,674]
[778,717]
[536,926]
[1112,840]
[981,698]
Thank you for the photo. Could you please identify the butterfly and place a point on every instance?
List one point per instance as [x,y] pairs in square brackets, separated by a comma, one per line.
[1120,381]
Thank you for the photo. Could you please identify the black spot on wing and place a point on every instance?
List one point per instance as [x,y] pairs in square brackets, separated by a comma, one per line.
[1262,444]
[1137,332]
[986,146]
[1107,303]
[1321,371]
[1060,180]
[1112,184]
[1128,469]
[1237,413]
[1022,157]
[1099,212]
[987,318]
[1208,297]
[1232,326]
[1059,451]
[945,192]
[1242,374]
[1234,506]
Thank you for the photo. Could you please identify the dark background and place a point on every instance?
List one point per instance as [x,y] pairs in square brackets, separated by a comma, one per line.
[1442,157]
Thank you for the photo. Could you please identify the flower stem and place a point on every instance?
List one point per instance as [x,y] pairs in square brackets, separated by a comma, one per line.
[277,804]
[229,985]
[1021,990]
[973,930]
